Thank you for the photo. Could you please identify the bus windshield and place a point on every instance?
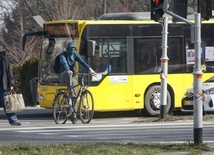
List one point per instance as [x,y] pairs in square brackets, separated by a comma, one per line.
[56,37]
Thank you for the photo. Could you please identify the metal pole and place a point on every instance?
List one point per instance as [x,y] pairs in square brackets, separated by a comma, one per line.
[164,68]
[198,5]
[197,103]
[104,6]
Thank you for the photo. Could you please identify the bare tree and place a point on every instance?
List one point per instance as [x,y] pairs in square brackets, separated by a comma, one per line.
[65,9]
[12,31]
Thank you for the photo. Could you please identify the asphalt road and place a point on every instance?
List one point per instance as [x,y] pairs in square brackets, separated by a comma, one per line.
[121,127]
[38,126]
[98,131]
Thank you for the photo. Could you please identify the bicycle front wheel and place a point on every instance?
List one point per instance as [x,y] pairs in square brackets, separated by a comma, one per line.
[60,108]
[86,107]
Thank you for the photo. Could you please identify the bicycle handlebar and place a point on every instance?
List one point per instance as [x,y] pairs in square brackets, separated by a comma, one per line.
[86,74]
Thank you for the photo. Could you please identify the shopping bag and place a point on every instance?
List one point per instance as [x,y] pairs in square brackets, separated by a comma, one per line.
[14,102]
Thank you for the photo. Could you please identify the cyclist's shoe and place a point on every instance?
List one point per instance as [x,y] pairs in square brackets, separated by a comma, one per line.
[74,121]
[74,118]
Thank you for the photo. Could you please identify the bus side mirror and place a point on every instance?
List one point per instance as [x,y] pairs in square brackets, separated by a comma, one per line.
[29,34]
[91,48]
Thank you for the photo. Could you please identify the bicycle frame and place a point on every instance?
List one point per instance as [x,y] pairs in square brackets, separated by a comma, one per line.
[70,110]
[82,88]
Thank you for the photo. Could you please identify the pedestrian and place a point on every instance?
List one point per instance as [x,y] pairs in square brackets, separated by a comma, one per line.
[6,84]
[67,69]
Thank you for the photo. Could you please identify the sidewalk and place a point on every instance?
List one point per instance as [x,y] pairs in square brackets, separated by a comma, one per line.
[30,112]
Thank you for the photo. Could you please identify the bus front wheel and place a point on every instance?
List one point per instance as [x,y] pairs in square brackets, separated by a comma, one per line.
[152,102]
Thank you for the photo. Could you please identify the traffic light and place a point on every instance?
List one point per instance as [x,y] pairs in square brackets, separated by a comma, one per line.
[180,8]
[156,9]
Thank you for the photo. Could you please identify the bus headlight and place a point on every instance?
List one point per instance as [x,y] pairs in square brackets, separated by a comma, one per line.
[41,97]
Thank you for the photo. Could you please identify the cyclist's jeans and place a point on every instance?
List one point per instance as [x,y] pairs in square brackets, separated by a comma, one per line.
[70,82]
[10,116]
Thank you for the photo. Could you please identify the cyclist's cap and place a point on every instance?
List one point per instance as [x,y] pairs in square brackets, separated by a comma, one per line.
[70,45]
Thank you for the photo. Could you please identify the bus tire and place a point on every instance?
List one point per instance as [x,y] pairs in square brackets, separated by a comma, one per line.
[152,101]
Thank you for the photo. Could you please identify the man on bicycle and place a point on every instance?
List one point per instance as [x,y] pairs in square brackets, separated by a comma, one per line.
[67,67]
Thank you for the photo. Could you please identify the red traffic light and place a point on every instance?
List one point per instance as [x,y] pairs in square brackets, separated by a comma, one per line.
[157,2]
[156,9]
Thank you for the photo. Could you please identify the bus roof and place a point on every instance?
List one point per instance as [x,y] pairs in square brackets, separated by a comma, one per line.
[123,18]
[102,21]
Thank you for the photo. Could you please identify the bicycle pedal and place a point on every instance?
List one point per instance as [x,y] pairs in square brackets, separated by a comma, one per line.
[73,118]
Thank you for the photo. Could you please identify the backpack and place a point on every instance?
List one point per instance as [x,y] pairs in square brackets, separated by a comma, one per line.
[57,63]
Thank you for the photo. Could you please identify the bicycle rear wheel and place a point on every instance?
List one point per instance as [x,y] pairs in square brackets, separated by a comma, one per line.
[86,107]
[60,108]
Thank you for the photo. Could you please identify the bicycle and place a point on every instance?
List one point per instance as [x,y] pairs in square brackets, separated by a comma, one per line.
[82,105]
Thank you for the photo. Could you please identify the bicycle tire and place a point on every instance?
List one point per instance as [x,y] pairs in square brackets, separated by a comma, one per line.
[60,108]
[86,107]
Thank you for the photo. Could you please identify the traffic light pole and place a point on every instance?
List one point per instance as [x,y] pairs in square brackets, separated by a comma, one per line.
[164,68]
[197,100]
[197,73]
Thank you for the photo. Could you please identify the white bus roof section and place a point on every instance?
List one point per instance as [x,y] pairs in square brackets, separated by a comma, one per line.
[126,16]
[132,16]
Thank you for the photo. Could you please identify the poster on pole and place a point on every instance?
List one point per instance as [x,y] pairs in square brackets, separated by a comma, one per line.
[209,53]
[190,56]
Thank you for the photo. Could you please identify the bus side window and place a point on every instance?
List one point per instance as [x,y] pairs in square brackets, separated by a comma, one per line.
[147,60]
[118,65]
[123,63]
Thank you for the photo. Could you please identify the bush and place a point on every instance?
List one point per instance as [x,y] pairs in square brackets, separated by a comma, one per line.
[23,73]
[17,79]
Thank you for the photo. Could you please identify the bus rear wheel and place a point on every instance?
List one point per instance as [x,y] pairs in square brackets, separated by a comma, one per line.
[152,102]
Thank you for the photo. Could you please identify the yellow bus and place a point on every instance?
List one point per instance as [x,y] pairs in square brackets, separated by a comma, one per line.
[133,49]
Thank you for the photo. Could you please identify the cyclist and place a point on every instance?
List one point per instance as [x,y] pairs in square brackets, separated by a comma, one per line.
[67,68]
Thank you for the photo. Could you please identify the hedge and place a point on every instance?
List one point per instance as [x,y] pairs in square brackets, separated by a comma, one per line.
[23,73]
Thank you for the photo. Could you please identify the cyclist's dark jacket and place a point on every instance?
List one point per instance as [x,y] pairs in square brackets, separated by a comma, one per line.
[69,57]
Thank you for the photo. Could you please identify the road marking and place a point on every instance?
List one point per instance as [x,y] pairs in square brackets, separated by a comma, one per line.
[97,126]
[73,131]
